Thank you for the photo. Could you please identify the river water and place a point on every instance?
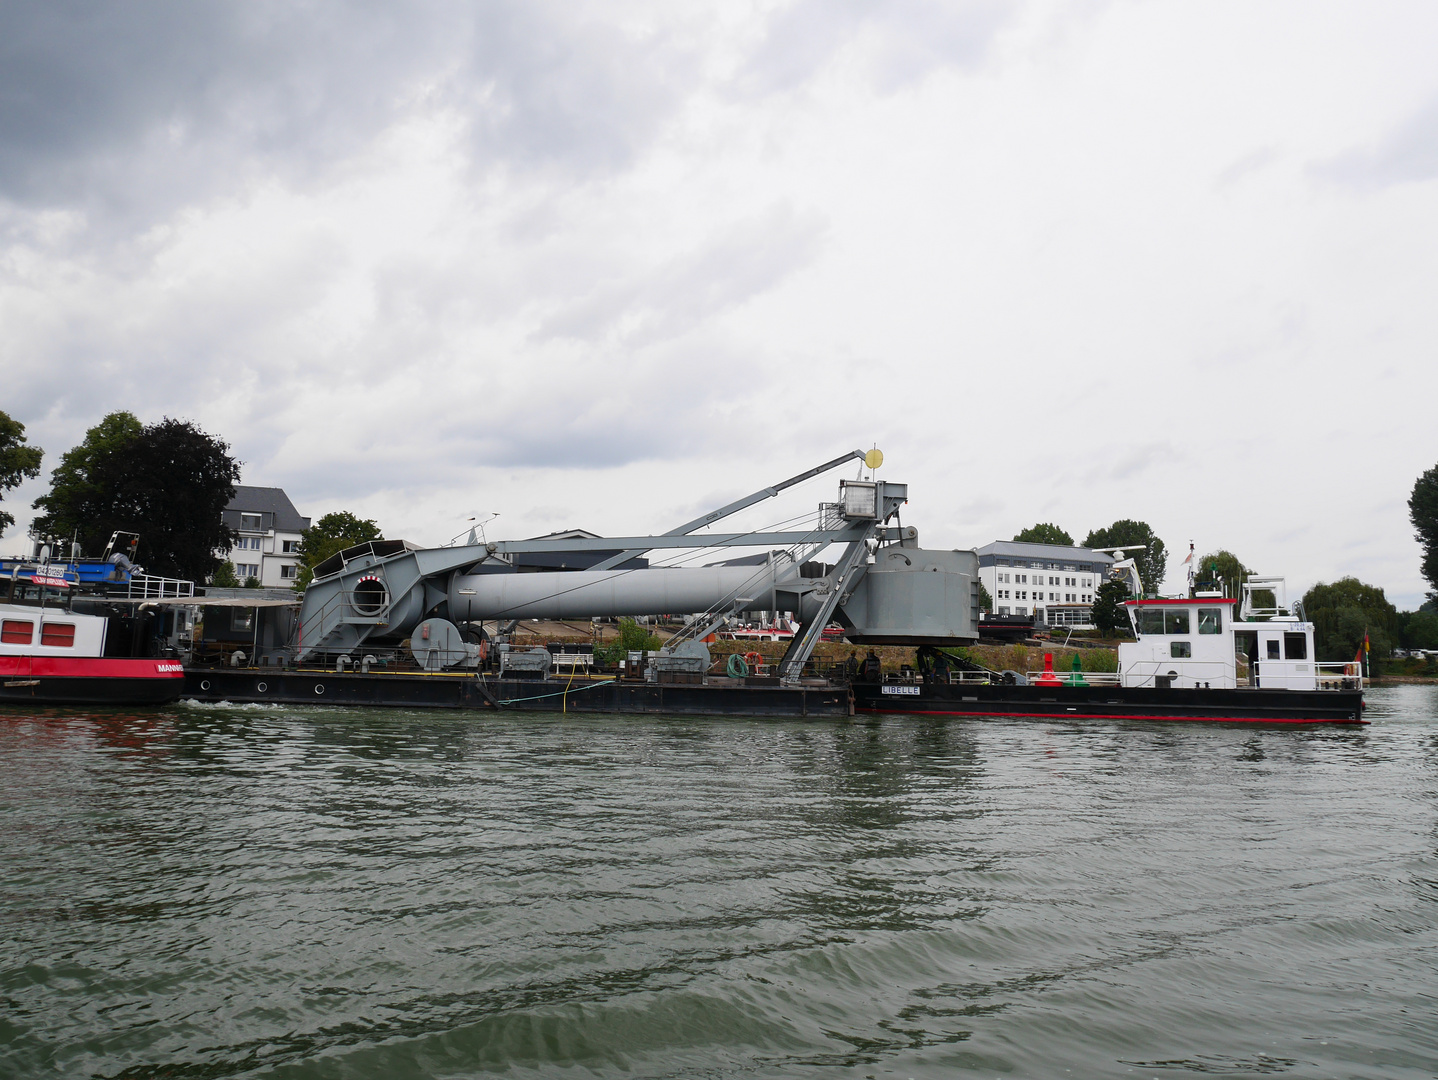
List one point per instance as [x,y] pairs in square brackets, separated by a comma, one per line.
[257,892]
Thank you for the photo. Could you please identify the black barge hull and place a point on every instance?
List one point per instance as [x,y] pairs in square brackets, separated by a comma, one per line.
[445,691]
[1238,706]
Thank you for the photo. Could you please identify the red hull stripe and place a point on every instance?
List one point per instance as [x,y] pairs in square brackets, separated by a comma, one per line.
[87,667]
[1206,601]
[1118,716]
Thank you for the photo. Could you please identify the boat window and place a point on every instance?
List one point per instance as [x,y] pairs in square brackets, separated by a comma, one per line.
[1295,646]
[1180,649]
[1176,622]
[61,635]
[242,618]
[1210,620]
[1273,649]
[1150,620]
[15,632]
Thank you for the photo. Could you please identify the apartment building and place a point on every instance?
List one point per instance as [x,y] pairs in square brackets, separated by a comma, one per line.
[1054,583]
[269,530]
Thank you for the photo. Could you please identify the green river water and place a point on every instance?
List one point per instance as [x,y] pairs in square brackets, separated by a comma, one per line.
[208,892]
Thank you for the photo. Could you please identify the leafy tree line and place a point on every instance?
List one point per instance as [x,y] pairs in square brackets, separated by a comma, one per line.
[169,482]
[17,462]
[1152,561]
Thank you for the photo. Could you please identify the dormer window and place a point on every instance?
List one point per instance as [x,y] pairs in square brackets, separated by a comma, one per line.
[252,522]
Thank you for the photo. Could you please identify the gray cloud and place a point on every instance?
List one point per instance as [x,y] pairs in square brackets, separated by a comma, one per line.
[1407,154]
[130,110]
[910,38]
[742,262]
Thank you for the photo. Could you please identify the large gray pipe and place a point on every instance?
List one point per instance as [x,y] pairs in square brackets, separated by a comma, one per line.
[582,593]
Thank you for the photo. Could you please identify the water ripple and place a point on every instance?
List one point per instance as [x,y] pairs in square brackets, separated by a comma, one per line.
[311,893]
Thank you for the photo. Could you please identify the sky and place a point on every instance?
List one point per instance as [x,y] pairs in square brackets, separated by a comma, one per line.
[607,266]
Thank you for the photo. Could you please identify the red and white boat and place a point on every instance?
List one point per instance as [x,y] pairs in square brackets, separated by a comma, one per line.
[52,654]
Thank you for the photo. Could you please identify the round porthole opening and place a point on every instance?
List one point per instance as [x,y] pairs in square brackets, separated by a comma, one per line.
[319,688]
[369,596]
[262,688]
[204,684]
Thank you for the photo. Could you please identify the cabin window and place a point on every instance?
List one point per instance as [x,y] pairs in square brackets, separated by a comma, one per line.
[1180,650]
[242,618]
[1176,622]
[1295,646]
[15,632]
[1210,620]
[1273,649]
[60,635]
[1150,620]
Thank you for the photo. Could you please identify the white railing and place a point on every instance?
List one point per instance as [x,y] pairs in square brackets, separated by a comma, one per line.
[145,587]
[1339,675]
[1216,673]
[1093,678]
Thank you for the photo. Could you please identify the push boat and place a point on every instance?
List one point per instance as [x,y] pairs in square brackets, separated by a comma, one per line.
[86,632]
[1183,664]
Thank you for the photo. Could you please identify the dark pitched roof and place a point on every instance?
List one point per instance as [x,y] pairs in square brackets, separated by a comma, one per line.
[265,500]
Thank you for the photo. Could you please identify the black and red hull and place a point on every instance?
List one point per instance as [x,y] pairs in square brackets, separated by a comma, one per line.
[83,680]
[1237,706]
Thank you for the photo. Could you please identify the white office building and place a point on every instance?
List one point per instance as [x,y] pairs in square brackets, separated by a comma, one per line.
[1054,582]
[269,529]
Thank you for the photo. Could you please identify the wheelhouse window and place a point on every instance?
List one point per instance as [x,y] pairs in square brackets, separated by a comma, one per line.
[1295,646]
[58,635]
[1176,622]
[1272,649]
[1180,649]
[17,632]
[1150,620]
[1210,620]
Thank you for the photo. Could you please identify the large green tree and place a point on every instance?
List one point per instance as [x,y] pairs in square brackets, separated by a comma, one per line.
[1343,612]
[1108,613]
[328,536]
[1423,512]
[1044,533]
[167,481]
[1152,560]
[1224,568]
[17,461]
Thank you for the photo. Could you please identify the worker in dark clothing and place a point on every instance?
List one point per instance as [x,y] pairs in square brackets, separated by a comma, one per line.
[851,665]
[873,669]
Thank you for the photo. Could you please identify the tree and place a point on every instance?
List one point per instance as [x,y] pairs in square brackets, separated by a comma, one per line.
[1152,561]
[168,481]
[1420,629]
[1423,512]
[17,461]
[1343,613]
[986,602]
[1108,614]
[1223,568]
[632,638]
[1044,533]
[328,536]
[224,576]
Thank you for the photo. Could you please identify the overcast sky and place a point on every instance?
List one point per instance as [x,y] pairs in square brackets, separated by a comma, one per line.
[608,265]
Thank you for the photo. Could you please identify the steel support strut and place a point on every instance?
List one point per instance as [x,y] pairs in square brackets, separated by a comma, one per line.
[732,508]
[845,576]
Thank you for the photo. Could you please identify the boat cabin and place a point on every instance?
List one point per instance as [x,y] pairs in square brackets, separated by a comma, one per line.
[1196,642]
[1179,643]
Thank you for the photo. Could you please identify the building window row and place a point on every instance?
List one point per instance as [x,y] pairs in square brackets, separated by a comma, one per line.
[246,570]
